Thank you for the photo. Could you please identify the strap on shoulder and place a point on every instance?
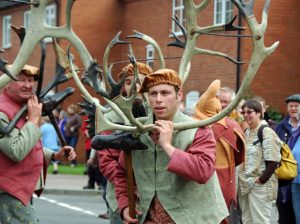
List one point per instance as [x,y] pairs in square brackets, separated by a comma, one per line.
[260,134]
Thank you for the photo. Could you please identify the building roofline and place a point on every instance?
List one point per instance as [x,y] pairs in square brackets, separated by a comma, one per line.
[8,4]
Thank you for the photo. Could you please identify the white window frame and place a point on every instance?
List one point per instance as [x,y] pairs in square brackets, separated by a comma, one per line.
[50,19]
[150,55]
[224,11]
[191,100]
[6,31]
[27,15]
[179,11]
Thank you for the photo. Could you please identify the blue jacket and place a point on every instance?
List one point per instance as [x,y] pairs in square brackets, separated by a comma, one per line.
[284,129]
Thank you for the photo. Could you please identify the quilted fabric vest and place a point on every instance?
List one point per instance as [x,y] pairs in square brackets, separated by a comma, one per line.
[185,201]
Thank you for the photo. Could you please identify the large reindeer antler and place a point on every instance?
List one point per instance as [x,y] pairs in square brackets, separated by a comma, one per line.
[193,31]
[259,54]
[151,41]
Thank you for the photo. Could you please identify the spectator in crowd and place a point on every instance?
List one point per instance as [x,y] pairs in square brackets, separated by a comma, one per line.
[56,113]
[108,158]
[87,141]
[257,182]
[285,130]
[93,172]
[23,160]
[50,139]
[266,116]
[63,117]
[72,128]
[294,144]
[291,122]
[178,166]
[239,110]
[230,143]
[226,95]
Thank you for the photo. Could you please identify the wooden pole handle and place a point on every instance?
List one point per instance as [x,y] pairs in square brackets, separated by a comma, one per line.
[130,184]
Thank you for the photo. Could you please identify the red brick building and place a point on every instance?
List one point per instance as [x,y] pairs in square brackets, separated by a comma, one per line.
[97,22]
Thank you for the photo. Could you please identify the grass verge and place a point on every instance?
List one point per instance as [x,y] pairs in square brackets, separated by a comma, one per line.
[66,169]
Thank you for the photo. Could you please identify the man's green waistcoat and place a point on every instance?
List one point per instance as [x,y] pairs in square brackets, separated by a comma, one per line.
[185,201]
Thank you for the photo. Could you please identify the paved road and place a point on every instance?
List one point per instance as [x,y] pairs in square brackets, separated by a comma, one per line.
[65,208]
[64,202]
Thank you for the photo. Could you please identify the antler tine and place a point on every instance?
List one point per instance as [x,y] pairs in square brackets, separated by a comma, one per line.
[218,28]
[132,60]
[201,6]
[41,68]
[83,90]
[191,18]
[216,53]
[3,68]
[194,31]
[91,76]
[37,31]
[104,110]
[116,40]
[178,42]
[116,86]
[20,31]
[61,65]
[60,55]
[259,54]
[103,124]
[151,41]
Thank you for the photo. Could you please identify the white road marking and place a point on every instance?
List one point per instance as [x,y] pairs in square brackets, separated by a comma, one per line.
[67,206]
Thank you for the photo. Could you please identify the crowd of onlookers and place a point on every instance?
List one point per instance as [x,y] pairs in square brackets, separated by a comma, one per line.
[258,187]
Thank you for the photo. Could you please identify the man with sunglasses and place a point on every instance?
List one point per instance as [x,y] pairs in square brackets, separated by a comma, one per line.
[23,160]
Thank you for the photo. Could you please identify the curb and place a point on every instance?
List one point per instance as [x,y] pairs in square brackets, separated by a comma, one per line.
[72,192]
